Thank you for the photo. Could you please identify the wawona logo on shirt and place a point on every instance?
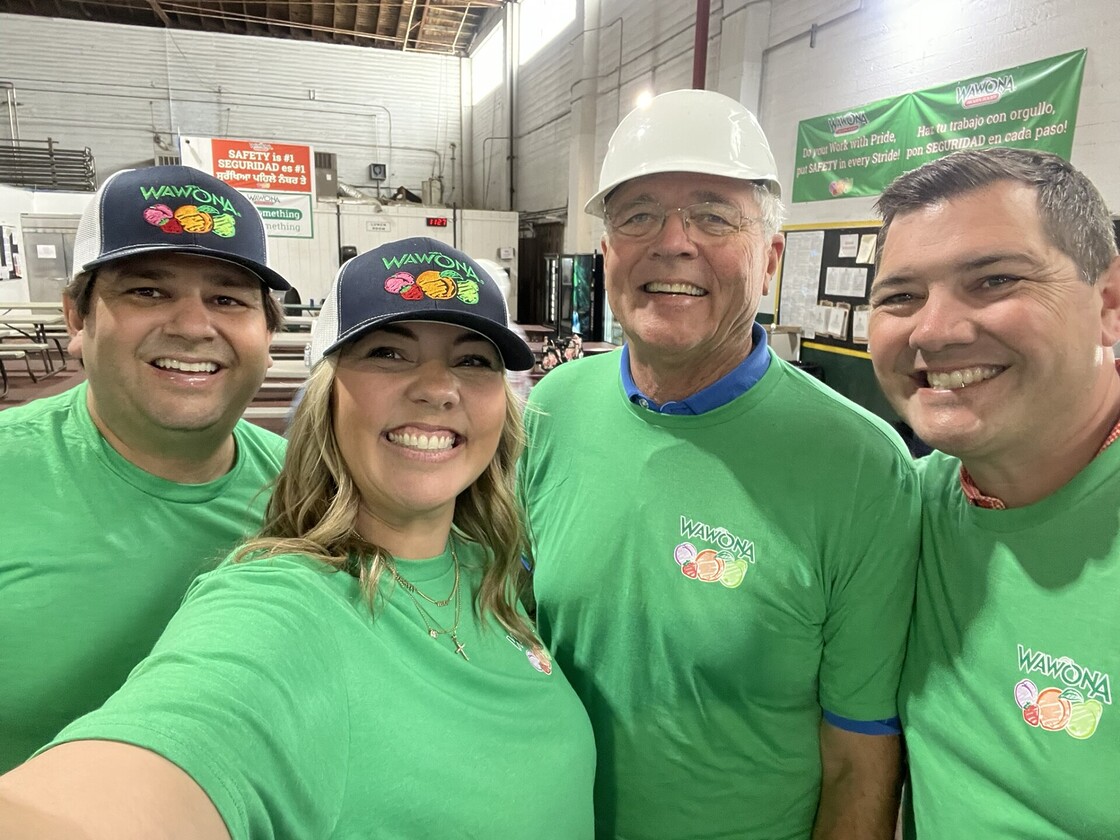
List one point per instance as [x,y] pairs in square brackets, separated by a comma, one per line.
[537,655]
[713,554]
[1075,706]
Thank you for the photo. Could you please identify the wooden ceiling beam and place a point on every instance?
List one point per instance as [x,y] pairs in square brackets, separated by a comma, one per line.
[421,27]
[459,31]
[160,13]
[404,22]
[446,26]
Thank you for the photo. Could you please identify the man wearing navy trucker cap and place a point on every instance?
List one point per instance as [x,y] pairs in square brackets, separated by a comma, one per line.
[725,548]
[121,490]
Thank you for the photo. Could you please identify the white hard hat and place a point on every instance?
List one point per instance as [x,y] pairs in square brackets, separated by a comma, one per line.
[686,131]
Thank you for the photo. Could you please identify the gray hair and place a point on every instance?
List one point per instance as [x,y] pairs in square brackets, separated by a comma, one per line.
[1072,210]
[770,207]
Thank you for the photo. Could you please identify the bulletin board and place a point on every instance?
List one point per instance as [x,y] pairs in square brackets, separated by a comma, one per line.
[844,364]
[824,283]
[9,254]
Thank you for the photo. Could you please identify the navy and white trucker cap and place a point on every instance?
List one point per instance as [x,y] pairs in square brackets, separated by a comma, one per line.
[177,209]
[415,279]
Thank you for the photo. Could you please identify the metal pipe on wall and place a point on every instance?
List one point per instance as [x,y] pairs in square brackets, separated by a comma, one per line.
[512,57]
[13,118]
[338,228]
[617,72]
[812,31]
[438,156]
[700,48]
[485,162]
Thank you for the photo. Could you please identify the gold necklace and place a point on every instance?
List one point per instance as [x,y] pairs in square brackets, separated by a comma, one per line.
[429,622]
[412,589]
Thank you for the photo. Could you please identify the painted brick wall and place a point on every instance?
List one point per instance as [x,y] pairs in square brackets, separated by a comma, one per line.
[74,86]
[888,48]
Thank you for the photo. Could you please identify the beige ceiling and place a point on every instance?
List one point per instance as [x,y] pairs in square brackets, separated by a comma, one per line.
[439,26]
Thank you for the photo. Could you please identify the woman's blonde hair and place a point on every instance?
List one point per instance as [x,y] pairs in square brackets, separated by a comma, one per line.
[315,503]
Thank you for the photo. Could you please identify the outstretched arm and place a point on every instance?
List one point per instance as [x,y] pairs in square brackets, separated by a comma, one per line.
[104,790]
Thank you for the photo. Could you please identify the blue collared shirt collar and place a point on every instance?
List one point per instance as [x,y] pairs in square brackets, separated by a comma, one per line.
[733,384]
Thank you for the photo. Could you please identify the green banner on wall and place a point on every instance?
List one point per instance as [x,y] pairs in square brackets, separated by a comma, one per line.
[859,152]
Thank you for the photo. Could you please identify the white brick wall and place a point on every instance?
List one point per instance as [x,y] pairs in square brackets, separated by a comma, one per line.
[883,50]
[74,84]
[254,87]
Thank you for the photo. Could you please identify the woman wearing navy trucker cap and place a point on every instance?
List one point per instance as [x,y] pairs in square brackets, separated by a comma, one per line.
[361,668]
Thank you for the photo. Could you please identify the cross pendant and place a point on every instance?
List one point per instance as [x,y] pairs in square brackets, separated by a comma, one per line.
[459,647]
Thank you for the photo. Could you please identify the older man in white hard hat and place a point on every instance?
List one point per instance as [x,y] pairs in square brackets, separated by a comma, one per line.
[724,548]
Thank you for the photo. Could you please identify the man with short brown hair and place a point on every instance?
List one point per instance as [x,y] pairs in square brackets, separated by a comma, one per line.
[126,487]
[994,311]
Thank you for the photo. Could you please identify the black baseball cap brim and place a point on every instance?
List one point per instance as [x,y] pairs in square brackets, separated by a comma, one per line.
[266,275]
[516,354]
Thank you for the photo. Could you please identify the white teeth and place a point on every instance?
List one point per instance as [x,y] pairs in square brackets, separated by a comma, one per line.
[186,367]
[953,379]
[676,289]
[433,442]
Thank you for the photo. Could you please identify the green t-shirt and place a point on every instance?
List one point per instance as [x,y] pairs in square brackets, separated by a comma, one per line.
[302,714]
[95,558]
[1006,694]
[709,583]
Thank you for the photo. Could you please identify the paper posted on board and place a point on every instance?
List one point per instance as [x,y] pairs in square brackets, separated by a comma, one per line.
[867,248]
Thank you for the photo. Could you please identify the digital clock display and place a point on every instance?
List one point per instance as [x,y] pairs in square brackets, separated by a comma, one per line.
[437,221]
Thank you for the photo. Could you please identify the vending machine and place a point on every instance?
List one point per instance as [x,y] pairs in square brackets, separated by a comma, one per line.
[575,301]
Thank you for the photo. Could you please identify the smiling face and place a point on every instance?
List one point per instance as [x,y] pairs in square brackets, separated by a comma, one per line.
[418,413]
[686,299]
[983,335]
[172,344]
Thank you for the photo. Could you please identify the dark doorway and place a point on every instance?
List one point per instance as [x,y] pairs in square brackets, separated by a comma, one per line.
[532,297]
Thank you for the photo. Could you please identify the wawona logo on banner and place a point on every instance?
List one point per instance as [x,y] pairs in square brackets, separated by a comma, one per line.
[985,91]
[847,123]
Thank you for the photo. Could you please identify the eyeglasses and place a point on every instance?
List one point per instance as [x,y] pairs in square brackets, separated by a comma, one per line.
[647,219]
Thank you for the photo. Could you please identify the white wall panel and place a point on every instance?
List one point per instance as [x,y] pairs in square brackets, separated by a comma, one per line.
[797,16]
[489,169]
[541,133]
[114,88]
[310,264]
[642,45]
[213,84]
[544,106]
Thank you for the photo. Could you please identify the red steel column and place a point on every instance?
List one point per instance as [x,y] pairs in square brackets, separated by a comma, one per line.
[700,49]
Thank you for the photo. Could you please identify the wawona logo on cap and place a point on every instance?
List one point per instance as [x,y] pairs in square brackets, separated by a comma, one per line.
[191,218]
[452,279]
[436,285]
[431,258]
[199,195]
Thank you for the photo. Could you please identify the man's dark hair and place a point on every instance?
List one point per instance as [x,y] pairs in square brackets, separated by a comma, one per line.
[1073,213]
